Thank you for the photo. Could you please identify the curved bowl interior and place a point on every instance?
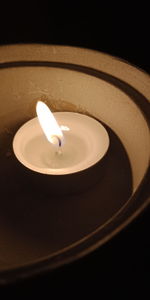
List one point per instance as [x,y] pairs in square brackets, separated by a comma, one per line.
[78,80]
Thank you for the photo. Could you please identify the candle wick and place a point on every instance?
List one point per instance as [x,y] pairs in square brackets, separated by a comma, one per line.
[59,150]
[58,139]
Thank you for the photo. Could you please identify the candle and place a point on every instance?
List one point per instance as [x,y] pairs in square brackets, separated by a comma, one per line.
[62,143]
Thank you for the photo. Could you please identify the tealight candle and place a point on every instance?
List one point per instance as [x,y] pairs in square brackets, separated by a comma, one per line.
[61,143]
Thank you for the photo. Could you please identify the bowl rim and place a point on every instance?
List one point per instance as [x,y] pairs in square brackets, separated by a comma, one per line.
[88,244]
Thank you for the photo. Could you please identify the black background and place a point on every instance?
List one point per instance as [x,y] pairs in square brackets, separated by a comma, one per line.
[122,265]
[121,30]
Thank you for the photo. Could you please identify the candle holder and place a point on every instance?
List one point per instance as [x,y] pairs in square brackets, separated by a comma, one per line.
[40,230]
[72,167]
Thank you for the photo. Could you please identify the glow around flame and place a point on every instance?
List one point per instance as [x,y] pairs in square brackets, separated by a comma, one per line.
[49,124]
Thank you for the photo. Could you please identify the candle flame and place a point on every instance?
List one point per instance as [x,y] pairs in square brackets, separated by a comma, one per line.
[49,124]
[64,128]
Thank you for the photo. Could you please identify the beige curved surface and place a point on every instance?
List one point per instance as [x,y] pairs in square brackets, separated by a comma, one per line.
[80,92]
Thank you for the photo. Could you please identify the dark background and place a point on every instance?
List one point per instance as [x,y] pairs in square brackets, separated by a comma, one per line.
[123,263]
[121,30]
